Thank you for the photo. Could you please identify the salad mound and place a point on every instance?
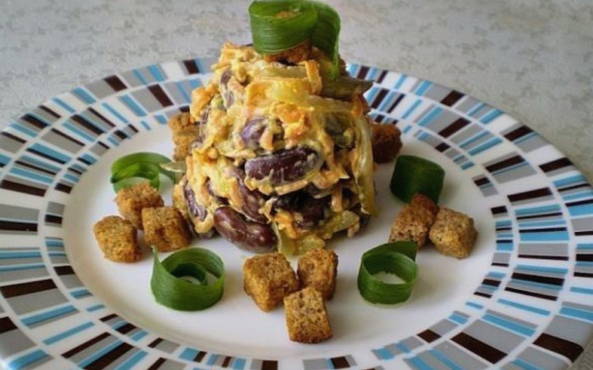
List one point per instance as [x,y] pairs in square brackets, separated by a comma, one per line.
[283,157]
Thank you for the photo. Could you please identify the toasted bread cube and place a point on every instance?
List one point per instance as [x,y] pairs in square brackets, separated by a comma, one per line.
[117,239]
[306,316]
[165,228]
[131,200]
[185,132]
[414,221]
[318,269]
[386,142]
[268,278]
[453,233]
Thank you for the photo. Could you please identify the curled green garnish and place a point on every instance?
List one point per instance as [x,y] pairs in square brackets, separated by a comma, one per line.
[171,282]
[281,25]
[393,258]
[130,169]
[413,175]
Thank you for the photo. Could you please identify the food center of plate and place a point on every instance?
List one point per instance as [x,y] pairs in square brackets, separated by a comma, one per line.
[235,325]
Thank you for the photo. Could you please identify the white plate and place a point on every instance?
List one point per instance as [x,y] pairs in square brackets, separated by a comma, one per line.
[523,298]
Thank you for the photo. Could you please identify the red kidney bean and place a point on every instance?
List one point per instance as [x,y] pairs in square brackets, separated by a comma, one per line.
[251,236]
[313,211]
[252,132]
[196,210]
[283,166]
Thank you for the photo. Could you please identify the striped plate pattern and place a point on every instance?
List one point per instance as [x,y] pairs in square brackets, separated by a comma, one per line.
[533,308]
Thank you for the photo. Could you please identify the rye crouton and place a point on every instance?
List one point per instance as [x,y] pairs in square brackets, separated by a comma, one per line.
[318,269]
[268,278]
[306,316]
[165,228]
[185,132]
[386,142]
[414,221]
[131,200]
[453,233]
[117,239]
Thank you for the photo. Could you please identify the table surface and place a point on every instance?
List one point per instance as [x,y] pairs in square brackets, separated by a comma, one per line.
[530,58]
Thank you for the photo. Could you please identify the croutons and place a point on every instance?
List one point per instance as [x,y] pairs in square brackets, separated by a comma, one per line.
[306,316]
[318,268]
[131,200]
[414,221]
[386,142]
[117,239]
[185,132]
[268,278]
[453,233]
[165,229]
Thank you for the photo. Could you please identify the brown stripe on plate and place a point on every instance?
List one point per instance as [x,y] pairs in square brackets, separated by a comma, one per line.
[86,124]
[36,168]
[491,282]
[395,103]
[102,117]
[126,328]
[564,347]
[517,133]
[13,137]
[580,202]
[51,112]
[191,66]
[157,364]
[17,226]
[454,127]
[226,361]
[160,95]
[115,83]
[64,270]
[133,128]
[22,188]
[481,294]
[53,219]
[68,137]
[533,256]
[16,290]
[532,294]
[63,188]
[6,324]
[200,356]
[36,152]
[340,362]
[506,163]
[481,181]
[155,342]
[485,351]
[379,98]
[85,345]
[362,72]
[556,164]
[34,121]
[442,147]
[119,133]
[104,361]
[428,335]
[529,194]
[108,317]
[269,365]
[382,76]
[498,210]
[452,98]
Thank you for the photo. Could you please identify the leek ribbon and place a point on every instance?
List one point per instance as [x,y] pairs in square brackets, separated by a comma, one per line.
[171,288]
[394,258]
